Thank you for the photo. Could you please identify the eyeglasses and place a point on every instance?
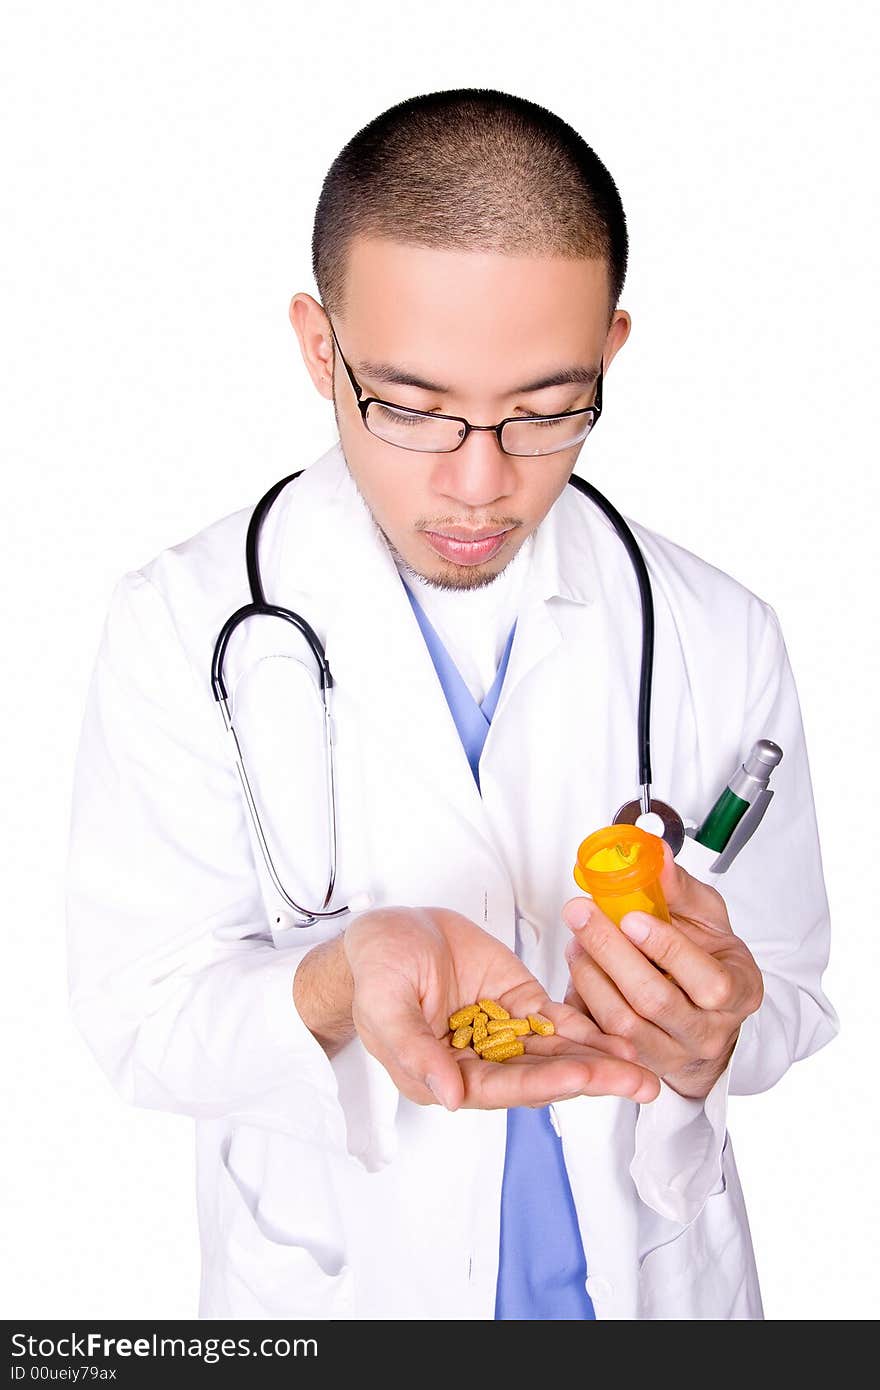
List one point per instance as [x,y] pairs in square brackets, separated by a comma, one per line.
[429,433]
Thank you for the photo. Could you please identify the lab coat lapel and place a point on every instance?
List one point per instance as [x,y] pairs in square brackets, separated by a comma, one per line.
[379,658]
[563,566]
[338,564]
[537,633]
[334,559]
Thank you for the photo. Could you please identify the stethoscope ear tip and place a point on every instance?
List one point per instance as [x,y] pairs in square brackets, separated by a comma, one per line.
[284,921]
[358,902]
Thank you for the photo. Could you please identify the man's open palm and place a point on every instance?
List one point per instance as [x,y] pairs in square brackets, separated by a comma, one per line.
[413,967]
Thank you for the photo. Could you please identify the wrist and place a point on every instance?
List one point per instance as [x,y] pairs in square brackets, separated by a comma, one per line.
[695,1080]
[322,994]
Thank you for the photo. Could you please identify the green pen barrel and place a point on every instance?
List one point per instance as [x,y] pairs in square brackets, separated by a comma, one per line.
[722,820]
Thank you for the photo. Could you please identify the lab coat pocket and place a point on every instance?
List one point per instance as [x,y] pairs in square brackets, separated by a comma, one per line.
[697,860]
[707,1271]
[265,1273]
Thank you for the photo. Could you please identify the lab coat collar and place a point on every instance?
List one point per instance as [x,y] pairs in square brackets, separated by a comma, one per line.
[563,565]
[332,565]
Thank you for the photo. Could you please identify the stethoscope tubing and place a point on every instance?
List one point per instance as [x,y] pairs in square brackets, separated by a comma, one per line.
[258,607]
[646,598]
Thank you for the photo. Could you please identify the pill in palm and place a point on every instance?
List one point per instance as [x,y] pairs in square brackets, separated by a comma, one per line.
[499,1052]
[520,1026]
[488,1029]
[466,1015]
[492,1009]
[539,1024]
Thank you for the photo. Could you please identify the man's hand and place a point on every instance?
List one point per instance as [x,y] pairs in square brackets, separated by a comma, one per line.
[413,967]
[684,1027]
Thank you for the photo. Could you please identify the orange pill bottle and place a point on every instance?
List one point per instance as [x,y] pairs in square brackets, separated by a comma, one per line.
[619,866]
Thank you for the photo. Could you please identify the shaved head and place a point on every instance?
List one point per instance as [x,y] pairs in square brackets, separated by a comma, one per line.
[470,169]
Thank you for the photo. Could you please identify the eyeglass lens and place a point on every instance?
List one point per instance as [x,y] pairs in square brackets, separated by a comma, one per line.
[438,436]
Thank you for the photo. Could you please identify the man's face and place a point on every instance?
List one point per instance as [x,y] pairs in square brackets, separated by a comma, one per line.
[475,327]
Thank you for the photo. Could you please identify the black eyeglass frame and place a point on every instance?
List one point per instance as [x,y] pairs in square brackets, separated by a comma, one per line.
[364,402]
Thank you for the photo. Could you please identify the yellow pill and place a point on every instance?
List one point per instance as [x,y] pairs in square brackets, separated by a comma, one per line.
[501,1051]
[520,1026]
[480,1029]
[501,1034]
[462,1036]
[479,1043]
[540,1024]
[492,1009]
[465,1015]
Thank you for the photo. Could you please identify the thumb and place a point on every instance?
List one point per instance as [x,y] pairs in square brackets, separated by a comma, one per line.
[674,879]
[423,1057]
[685,895]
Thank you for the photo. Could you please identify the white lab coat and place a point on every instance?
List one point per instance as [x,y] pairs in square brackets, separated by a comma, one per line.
[321,1191]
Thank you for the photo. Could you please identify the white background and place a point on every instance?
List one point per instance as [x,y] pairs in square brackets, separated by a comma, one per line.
[161,165]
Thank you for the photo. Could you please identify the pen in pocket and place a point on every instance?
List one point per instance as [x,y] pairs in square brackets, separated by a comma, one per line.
[740,808]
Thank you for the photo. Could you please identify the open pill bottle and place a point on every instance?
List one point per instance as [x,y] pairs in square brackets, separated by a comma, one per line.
[619,866]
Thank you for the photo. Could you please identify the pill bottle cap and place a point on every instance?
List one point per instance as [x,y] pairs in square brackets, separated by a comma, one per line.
[618,859]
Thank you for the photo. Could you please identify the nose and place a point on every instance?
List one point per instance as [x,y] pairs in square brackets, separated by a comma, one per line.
[476,474]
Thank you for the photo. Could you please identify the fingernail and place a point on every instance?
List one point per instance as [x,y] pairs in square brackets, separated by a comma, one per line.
[433,1084]
[573,949]
[577,913]
[633,925]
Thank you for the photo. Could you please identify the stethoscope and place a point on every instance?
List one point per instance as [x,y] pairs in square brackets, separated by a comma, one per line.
[645,811]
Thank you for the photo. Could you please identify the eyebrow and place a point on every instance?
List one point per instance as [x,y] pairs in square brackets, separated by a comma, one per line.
[391,375]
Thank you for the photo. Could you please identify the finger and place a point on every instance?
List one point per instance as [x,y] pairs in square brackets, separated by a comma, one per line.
[613,1012]
[573,1024]
[687,896]
[569,1021]
[535,1079]
[706,979]
[649,993]
[410,1047]
[574,1000]
[525,998]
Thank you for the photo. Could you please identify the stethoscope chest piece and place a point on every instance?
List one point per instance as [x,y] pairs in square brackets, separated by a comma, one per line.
[661,812]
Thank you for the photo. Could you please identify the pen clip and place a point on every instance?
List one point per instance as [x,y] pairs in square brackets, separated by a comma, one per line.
[743,832]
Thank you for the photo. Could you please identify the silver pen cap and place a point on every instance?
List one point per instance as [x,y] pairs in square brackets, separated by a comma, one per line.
[754,774]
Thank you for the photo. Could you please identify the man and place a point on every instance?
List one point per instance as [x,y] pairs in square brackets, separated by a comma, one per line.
[481,623]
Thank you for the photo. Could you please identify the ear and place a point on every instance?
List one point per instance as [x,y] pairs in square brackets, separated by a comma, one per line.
[312,328]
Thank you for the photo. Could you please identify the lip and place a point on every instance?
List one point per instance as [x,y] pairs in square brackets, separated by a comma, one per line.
[467,552]
[461,533]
